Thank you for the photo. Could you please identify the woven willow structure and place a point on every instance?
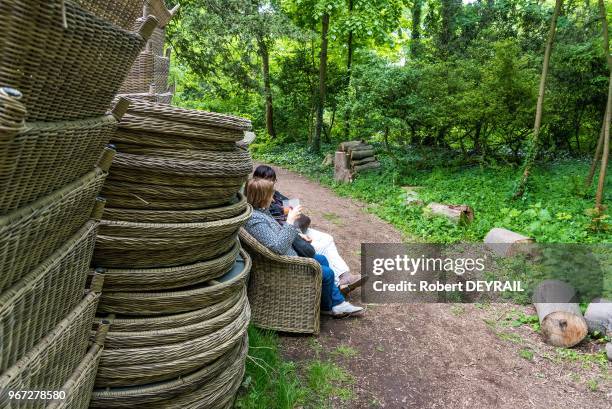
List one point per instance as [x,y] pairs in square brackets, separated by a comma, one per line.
[64,72]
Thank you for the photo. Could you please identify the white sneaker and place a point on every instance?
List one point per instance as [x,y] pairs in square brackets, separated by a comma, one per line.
[345,308]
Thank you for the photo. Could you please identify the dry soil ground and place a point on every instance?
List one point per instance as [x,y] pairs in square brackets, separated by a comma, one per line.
[436,355]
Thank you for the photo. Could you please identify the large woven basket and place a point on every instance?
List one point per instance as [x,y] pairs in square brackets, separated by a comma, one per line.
[162,393]
[48,155]
[131,141]
[189,123]
[148,364]
[30,234]
[148,245]
[50,363]
[160,337]
[145,324]
[148,70]
[122,13]
[43,297]
[64,73]
[79,386]
[168,278]
[178,301]
[234,209]
[160,11]
[141,199]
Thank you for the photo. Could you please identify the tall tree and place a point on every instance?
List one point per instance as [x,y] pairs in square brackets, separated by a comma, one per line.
[316,140]
[535,142]
[608,116]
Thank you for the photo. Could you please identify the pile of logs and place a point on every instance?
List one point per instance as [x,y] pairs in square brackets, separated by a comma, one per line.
[351,158]
[361,156]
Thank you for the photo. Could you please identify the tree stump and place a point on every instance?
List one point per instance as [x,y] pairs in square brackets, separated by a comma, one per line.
[561,321]
[342,172]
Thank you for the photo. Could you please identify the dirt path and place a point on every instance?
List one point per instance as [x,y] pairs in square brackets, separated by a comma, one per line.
[436,355]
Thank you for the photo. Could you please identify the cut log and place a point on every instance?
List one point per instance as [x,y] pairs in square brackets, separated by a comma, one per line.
[328,160]
[598,316]
[561,321]
[609,351]
[363,161]
[455,213]
[342,173]
[356,155]
[505,242]
[367,166]
[361,147]
[344,146]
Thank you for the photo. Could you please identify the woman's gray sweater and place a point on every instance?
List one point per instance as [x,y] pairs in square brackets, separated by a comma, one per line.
[268,232]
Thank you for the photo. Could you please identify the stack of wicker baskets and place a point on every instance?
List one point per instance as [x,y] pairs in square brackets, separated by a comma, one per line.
[61,67]
[175,276]
[148,79]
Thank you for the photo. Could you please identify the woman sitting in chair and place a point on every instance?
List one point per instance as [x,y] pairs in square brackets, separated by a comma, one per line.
[279,238]
[323,243]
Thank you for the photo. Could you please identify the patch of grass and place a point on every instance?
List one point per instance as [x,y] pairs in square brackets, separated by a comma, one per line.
[593,385]
[345,351]
[587,360]
[333,218]
[328,380]
[272,382]
[526,354]
[510,336]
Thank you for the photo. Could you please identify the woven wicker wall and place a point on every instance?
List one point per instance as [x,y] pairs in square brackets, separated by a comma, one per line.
[61,68]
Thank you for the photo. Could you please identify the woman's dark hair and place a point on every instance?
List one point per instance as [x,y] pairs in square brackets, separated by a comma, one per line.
[265,172]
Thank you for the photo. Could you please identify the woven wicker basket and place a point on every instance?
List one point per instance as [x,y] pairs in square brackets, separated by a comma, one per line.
[129,141]
[148,70]
[50,363]
[172,302]
[157,40]
[46,156]
[137,202]
[160,11]
[238,206]
[64,73]
[43,297]
[122,13]
[79,386]
[148,245]
[29,235]
[159,337]
[162,98]
[144,365]
[168,278]
[160,394]
[131,324]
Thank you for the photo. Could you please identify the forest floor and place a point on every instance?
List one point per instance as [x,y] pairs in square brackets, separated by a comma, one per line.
[436,355]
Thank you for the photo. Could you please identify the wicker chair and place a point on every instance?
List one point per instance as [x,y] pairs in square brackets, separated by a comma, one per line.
[284,292]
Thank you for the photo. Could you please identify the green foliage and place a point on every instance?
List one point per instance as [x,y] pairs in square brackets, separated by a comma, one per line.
[547,211]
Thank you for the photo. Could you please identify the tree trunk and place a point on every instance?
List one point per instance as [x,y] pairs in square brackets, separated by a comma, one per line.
[265,58]
[316,142]
[608,117]
[415,43]
[349,66]
[589,178]
[356,155]
[531,156]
